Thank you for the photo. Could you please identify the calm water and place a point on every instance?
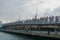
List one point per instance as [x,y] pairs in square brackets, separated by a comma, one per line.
[8,36]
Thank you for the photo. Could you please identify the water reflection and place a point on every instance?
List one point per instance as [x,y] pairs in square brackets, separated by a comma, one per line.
[7,36]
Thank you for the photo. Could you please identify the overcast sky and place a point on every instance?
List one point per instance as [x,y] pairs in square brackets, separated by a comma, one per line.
[11,10]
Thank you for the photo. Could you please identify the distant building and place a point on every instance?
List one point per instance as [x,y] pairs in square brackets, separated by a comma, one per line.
[0,23]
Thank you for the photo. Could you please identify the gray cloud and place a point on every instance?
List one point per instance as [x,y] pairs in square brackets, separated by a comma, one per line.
[9,9]
[12,9]
[56,11]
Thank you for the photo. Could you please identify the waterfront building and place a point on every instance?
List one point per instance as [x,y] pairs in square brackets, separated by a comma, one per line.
[45,23]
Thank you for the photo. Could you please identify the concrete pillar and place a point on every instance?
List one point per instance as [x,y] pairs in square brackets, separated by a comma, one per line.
[55,31]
